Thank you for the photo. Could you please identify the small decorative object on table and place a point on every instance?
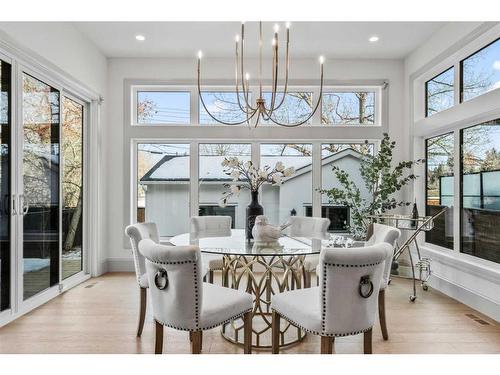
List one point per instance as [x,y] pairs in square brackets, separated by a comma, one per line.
[263,232]
[246,176]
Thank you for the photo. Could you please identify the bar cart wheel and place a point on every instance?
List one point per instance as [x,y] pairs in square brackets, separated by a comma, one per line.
[425,287]
[413,298]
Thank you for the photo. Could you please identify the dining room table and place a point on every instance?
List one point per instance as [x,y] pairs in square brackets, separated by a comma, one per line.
[261,269]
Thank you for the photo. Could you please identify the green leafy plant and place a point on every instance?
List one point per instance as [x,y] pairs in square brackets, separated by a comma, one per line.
[382,181]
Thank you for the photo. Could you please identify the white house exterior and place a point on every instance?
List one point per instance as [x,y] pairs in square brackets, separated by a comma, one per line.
[166,187]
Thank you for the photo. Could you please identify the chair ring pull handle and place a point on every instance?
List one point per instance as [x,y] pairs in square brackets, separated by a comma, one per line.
[365,287]
[161,279]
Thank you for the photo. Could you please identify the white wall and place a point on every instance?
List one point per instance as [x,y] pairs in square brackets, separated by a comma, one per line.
[470,280]
[182,70]
[64,46]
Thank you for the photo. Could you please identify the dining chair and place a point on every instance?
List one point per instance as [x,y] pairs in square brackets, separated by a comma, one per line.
[136,233]
[345,302]
[380,233]
[309,227]
[384,233]
[211,226]
[181,300]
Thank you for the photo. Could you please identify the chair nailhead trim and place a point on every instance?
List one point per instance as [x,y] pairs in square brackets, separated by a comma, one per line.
[196,300]
[321,333]
[205,328]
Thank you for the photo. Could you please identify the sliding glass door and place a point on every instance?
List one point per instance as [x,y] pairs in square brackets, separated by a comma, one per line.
[5,183]
[39,201]
[72,186]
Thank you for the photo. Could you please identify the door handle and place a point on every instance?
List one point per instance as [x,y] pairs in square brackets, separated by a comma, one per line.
[22,207]
[14,203]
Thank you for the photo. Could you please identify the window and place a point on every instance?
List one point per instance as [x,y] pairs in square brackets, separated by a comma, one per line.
[295,192]
[296,107]
[163,107]
[440,92]
[163,186]
[338,215]
[480,72]
[480,172]
[439,188]
[212,178]
[351,108]
[41,173]
[348,157]
[72,185]
[207,210]
[223,106]
[5,180]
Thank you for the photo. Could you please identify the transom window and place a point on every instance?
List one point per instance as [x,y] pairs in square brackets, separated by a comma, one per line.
[440,92]
[178,105]
[480,72]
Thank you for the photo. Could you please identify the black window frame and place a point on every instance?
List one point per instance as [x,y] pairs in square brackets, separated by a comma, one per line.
[426,108]
[426,146]
[461,76]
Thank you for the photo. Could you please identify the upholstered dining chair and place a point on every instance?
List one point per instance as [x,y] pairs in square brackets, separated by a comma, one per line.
[309,227]
[380,233]
[384,233]
[136,233]
[344,304]
[211,226]
[181,300]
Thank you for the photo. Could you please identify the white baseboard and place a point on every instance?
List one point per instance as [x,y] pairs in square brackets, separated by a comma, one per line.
[118,265]
[468,297]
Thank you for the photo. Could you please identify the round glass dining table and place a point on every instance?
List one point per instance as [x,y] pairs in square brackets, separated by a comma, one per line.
[262,269]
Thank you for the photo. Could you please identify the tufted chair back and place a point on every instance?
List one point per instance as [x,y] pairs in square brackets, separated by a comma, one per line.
[384,233]
[136,233]
[178,305]
[211,226]
[343,309]
[311,227]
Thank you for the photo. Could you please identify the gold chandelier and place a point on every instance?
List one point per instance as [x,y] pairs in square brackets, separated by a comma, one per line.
[260,110]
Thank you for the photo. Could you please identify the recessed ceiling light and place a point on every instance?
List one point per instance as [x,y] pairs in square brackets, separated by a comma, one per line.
[140,38]
[373,39]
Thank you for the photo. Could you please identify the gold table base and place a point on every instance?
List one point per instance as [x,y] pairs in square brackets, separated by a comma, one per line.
[263,276]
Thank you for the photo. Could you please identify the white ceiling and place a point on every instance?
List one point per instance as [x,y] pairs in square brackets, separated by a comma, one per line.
[216,39]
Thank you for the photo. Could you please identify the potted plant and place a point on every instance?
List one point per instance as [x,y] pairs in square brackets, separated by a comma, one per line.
[246,176]
[382,180]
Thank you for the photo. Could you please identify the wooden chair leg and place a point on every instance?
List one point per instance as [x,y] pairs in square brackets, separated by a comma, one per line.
[158,338]
[247,322]
[381,314]
[367,342]
[142,310]
[196,343]
[211,276]
[326,345]
[275,327]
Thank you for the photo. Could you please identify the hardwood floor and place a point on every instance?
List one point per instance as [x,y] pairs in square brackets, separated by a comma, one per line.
[100,316]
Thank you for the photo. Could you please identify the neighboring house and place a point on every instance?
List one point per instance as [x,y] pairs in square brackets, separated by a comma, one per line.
[167,186]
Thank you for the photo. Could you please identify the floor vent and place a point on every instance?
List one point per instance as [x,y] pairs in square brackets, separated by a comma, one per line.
[90,285]
[477,319]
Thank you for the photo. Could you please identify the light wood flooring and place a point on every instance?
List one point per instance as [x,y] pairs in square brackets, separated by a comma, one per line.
[100,316]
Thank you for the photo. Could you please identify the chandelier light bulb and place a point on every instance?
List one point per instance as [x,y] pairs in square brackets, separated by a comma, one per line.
[321,60]
[237,38]
[276,27]
[200,55]
[273,42]
[287,25]
[247,76]
[373,39]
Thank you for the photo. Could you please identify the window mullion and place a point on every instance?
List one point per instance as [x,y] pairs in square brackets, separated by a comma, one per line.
[457,191]
[316,179]
[194,162]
